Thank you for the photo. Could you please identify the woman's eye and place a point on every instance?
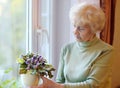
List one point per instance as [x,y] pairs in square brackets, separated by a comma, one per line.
[74,26]
[80,29]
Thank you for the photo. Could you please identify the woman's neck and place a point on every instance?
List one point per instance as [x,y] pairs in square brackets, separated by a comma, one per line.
[91,37]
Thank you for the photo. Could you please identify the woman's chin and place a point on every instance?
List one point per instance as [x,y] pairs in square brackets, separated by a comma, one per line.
[79,40]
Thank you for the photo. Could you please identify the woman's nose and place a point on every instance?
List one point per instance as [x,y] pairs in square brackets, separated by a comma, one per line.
[76,32]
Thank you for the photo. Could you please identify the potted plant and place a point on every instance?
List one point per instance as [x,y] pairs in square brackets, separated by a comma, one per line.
[31,67]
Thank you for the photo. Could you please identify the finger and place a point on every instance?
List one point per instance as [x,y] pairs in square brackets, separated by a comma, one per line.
[44,78]
[36,86]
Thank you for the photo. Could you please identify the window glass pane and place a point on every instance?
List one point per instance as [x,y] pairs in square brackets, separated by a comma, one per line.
[12,32]
[43,38]
[44,22]
[44,6]
[45,13]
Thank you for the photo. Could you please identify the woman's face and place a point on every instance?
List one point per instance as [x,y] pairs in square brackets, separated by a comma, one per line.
[83,33]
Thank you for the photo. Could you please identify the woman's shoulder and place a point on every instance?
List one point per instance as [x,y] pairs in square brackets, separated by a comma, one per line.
[68,46]
[105,46]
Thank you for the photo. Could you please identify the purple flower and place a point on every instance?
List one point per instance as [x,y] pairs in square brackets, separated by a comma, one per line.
[28,67]
[36,61]
[39,58]
[28,61]
[33,58]
[36,64]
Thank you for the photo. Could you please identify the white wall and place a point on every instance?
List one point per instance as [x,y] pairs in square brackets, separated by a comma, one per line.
[60,29]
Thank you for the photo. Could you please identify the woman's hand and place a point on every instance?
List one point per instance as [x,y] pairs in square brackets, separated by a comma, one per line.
[49,84]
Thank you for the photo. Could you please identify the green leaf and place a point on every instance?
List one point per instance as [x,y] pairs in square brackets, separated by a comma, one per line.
[20,60]
[14,84]
[22,71]
[8,70]
[50,74]
[34,72]
[23,65]
[5,83]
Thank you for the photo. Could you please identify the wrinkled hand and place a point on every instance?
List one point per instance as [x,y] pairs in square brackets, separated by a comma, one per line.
[47,83]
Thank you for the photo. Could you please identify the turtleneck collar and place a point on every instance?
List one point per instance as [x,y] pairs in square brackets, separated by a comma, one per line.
[84,45]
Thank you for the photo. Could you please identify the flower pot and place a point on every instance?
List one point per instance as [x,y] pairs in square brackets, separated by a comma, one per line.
[28,80]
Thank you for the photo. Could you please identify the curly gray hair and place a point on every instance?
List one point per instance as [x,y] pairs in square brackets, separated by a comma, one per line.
[87,14]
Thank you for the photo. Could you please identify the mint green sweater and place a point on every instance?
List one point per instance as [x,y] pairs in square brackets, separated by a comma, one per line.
[86,65]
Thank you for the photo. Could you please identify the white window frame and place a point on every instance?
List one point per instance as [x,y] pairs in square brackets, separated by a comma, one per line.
[34,26]
[29,26]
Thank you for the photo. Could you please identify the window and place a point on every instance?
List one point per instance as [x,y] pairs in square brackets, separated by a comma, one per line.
[12,33]
[24,27]
[41,27]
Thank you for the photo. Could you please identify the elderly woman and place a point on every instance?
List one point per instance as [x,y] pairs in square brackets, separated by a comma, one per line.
[85,63]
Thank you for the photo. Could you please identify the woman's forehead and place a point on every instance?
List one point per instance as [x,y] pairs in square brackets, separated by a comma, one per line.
[80,24]
[79,21]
